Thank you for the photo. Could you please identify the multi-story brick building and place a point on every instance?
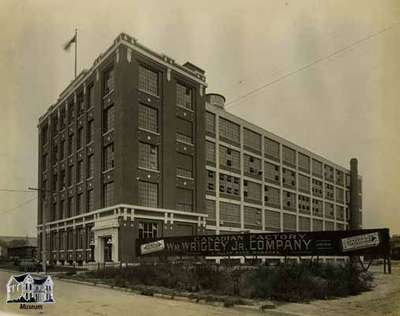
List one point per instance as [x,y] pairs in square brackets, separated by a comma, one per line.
[259,181]
[134,148]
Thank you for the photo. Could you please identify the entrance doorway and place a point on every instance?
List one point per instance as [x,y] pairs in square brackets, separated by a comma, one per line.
[107,249]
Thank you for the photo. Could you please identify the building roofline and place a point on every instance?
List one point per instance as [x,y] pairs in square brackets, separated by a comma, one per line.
[284,141]
[132,43]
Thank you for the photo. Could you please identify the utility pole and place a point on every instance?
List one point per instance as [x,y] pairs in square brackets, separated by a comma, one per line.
[44,259]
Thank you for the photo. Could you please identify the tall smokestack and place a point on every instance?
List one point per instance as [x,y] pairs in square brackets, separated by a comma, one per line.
[354,197]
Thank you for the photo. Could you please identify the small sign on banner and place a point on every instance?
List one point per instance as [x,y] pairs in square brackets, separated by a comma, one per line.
[360,242]
[151,247]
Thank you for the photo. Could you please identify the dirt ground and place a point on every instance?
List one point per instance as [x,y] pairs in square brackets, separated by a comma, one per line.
[76,299]
[384,299]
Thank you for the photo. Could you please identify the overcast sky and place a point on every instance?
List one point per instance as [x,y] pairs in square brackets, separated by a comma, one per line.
[342,107]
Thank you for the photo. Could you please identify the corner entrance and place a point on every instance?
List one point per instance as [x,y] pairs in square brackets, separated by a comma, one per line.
[107,248]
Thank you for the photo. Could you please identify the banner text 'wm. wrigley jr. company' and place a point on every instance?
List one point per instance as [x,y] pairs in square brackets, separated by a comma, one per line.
[327,243]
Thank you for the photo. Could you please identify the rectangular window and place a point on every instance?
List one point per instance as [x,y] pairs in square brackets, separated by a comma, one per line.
[184,138]
[304,184]
[328,173]
[289,201]
[184,131]
[90,200]
[70,240]
[184,200]
[62,149]
[90,166]
[89,237]
[184,96]
[79,172]
[148,230]
[252,191]
[79,203]
[80,102]
[184,165]
[229,158]
[54,123]
[55,182]
[79,234]
[304,162]
[251,140]
[272,196]
[329,226]
[44,162]
[108,157]
[70,144]
[229,212]
[148,80]
[318,225]
[44,134]
[210,152]
[289,156]
[90,131]
[252,166]
[71,111]
[317,168]
[210,123]
[210,209]
[289,178]
[304,224]
[62,179]
[272,173]
[289,222]
[148,194]
[70,175]
[62,209]
[272,221]
[252,217]
[108,119]
[211,181]
[148,156]
[271,149]
[71,209]
[55,153]
[108,83]
[339,177]
[79,140]
[108,194]
[90,92]
[148,118]
[63,119]
[229,131]
[229,185]
[329,210]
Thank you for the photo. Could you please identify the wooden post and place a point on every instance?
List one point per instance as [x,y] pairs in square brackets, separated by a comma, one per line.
[389,265]
[384,265]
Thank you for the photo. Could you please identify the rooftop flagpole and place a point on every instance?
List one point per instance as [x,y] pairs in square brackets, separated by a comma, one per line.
[76,49]
[67,46]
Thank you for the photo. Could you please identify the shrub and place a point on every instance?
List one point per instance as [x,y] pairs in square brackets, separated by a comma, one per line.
[301,282]
[288,282]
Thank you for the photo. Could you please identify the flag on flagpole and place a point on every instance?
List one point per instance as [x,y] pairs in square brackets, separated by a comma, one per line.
[68,44]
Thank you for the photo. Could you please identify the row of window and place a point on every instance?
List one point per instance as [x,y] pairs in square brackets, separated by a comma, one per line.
[229,214]
[73,205]
[64,240]
[63,179]
[230,132]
